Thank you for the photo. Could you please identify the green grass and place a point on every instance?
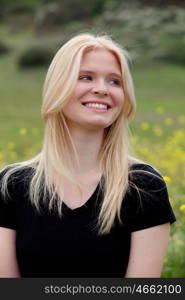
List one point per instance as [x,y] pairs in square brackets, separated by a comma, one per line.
[21,97]
[159,93]
[21,93]
[160,85]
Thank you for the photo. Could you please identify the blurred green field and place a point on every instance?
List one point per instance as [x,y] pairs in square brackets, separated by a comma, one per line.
[159,91]
[158,133]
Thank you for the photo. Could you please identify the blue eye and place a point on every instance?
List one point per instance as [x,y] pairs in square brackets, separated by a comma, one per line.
[85,77]
[115,82]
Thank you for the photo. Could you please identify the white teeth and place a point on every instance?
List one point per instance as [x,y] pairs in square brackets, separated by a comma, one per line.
[96,105]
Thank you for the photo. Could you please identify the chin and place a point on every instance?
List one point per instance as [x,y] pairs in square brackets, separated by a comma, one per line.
[96,126]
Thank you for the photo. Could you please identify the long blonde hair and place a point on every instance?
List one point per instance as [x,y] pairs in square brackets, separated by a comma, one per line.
[55,157]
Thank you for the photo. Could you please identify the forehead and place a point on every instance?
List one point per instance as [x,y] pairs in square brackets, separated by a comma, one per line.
[100,58]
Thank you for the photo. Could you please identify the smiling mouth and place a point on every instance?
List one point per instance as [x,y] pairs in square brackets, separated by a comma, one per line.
[97,106]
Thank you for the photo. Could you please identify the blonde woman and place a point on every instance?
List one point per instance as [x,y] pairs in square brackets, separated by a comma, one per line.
[83,207]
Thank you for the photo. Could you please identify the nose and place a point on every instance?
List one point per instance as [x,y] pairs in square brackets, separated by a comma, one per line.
[100,89]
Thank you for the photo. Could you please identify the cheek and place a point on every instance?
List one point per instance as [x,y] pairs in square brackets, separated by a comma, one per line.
[119,98]
[80,90]
[69,107]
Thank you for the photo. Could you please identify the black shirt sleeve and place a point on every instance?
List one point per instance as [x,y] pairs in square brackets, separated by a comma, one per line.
[146,203]
[7,206]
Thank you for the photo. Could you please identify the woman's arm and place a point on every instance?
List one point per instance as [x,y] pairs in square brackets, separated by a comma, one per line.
[8,260]
[148,248]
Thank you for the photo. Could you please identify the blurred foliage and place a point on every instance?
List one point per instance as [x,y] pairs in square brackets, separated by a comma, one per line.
[149,35]
[40,52]
[13,2]
[173,45]
[4,49]
[161,2]
[52,13]
[35,56]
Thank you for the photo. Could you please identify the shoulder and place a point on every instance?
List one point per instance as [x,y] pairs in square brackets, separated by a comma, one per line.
[15,177]
[146,183]
[12,191]
[146,203]
[135,167]
[16,171]
[145,176]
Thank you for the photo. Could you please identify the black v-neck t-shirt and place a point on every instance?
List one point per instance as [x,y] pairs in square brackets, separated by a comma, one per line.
[69,246]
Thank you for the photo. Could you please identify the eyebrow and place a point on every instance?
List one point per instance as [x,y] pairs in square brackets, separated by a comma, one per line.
[110,74]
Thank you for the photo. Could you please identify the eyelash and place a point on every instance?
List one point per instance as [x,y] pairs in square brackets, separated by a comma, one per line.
[87,77]
[116,82]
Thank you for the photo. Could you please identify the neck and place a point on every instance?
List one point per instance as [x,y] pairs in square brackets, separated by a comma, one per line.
[87,144]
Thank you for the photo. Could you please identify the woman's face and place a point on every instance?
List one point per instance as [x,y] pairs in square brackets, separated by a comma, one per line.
[98,96]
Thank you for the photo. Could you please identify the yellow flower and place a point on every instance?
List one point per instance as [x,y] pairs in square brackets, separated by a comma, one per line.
[22,131]
[160,110]
[168,121]
[145,126]
[178,242]
[157,130]
[11,145]
[182,207]
[167,178]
